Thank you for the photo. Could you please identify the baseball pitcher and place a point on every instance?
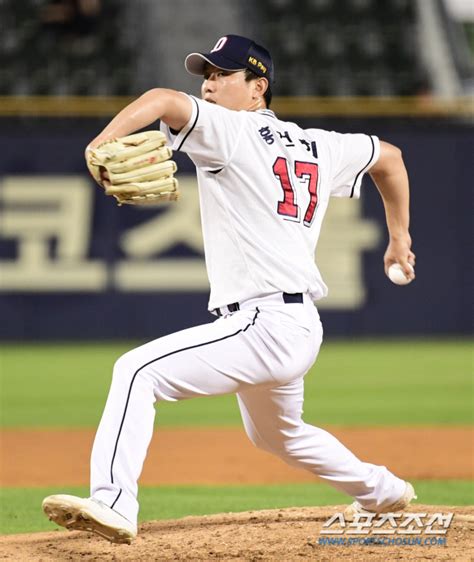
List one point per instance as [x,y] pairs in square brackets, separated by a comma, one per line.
[264,187]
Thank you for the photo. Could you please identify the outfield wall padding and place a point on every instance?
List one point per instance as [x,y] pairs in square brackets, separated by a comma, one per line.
[73,265]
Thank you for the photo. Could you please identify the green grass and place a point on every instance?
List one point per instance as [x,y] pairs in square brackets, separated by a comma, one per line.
[20,509]
[352,383]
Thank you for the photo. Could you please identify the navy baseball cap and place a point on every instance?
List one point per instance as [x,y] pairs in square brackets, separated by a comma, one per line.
[233,52]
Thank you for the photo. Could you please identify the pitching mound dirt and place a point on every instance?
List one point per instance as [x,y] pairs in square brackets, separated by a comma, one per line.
[279,535]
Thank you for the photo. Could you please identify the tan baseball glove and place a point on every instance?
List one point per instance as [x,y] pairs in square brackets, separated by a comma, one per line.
[136,169]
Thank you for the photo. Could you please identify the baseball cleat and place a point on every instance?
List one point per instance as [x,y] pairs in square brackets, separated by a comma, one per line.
[402,503]
[89,514]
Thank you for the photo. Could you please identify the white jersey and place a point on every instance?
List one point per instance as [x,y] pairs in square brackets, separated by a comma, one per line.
[264,186]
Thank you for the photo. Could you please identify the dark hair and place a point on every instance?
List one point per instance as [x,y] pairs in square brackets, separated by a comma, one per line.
[267,96]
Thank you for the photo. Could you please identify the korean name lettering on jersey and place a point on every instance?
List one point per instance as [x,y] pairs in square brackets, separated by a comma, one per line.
[268,136]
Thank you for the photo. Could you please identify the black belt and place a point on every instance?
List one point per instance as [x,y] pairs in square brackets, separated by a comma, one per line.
[288,298]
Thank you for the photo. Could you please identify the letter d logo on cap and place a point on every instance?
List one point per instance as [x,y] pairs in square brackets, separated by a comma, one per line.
[220,43]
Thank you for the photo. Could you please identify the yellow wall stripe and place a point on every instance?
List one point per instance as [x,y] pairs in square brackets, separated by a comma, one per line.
[306,106]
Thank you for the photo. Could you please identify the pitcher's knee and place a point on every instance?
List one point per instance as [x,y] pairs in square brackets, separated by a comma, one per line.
[259,441]
[285,443]
[124,365]
[272,441]
[128,366]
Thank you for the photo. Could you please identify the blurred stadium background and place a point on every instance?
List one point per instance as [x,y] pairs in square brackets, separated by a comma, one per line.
[75,268]
[321,47]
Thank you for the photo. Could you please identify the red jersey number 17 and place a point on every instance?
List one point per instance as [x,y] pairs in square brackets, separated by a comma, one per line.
[289,207]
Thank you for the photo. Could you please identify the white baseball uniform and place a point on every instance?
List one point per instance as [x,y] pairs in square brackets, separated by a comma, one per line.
[264,186]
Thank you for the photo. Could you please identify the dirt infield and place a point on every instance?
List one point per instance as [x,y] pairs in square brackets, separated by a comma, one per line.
[281,535]
[57,457]
[225,456]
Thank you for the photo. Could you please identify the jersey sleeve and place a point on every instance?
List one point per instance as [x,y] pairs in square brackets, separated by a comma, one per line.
[210,136]
[352,155]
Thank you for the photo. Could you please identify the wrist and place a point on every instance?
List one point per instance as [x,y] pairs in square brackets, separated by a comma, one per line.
[398,235]
[399,238]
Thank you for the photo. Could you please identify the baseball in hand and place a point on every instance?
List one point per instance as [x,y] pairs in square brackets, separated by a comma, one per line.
[397,276]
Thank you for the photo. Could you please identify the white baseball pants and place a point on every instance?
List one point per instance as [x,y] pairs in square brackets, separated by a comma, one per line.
[261,353]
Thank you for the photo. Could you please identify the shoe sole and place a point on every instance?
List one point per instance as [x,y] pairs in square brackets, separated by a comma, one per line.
[76,518]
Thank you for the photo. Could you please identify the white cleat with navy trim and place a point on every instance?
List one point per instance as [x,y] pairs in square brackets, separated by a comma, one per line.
[89,514]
